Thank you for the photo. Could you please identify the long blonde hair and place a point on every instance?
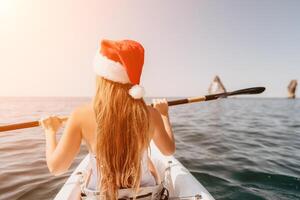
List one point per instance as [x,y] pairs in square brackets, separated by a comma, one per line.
[122,136]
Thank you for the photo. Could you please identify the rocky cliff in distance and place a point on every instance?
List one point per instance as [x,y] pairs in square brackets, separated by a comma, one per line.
[292,89]
[216,86]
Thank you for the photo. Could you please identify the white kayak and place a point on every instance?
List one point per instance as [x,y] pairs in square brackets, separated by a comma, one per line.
[182,185]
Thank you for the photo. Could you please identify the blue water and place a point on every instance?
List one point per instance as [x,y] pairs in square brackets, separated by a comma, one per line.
[237,148]
[242,148]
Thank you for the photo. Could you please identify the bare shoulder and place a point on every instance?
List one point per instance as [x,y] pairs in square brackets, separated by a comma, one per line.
[153,112]
[83,111]
[154,116]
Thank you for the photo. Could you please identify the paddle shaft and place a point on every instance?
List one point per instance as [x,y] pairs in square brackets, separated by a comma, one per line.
[19,126]
[255,90]
[23,125]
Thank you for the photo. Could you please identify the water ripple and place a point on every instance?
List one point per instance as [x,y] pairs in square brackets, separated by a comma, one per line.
[237,148]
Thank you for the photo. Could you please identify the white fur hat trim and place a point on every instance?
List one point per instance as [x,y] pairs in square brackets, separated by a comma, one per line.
[110,69]
[137,91]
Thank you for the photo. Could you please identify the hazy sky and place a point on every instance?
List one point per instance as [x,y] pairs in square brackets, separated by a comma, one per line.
[47,46]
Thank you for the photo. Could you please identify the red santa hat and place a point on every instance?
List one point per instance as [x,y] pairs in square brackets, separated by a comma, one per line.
[122,62]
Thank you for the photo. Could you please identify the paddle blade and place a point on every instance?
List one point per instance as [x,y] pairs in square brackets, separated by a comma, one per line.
[254,90]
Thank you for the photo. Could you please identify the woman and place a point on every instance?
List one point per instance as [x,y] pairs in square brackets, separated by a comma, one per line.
[117,126]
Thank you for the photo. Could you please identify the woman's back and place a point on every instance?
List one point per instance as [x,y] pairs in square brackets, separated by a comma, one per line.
[88,124]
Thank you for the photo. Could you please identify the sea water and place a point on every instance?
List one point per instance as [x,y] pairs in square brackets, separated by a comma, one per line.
[239,148]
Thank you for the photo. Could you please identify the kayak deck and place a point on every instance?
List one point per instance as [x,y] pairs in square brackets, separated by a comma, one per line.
[181,184]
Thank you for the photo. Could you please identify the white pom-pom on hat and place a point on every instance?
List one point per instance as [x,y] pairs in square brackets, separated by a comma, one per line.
[136,92]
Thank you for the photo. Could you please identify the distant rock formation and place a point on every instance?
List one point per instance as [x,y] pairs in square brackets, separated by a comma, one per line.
[292,89]
[216,86]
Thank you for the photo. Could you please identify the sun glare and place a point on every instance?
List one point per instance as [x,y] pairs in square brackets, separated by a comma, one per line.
[7,8]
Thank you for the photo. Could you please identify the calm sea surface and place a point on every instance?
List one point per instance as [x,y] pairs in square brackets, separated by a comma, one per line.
[237,148]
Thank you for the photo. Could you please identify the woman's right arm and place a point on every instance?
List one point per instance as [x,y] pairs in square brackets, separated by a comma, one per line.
[163,135]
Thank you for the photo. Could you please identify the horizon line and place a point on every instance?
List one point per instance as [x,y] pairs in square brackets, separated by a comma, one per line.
[242,96]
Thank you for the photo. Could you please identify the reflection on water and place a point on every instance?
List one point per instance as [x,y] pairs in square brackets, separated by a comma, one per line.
[237,148]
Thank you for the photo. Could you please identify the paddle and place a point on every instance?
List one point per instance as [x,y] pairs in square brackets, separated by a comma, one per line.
[254,90]
[22,125]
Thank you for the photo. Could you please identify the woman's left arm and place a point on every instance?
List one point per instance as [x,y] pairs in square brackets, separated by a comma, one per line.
[59,156]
